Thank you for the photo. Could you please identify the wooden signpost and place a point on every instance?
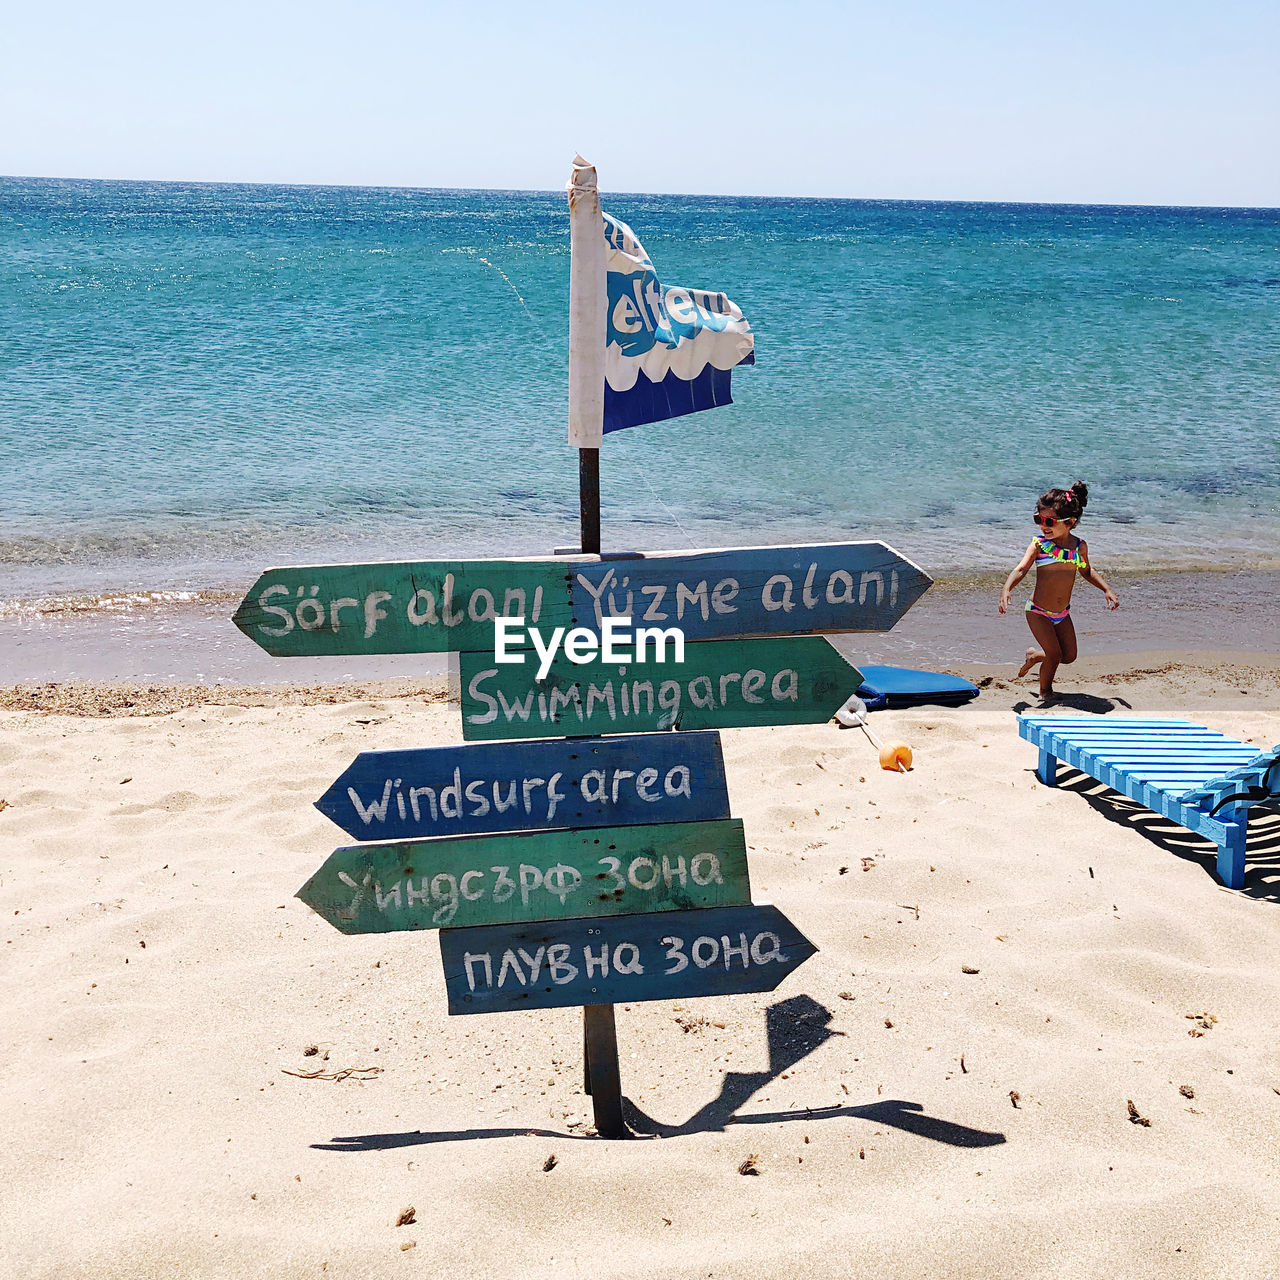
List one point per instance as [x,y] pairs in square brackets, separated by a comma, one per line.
[720,684]
[670,956]
[449,605]
[580,868]
[538,875]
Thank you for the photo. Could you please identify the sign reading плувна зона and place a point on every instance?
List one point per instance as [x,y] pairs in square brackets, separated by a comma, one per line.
[450,606]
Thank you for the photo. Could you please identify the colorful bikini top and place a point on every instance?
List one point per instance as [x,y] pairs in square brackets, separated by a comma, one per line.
[1050,553]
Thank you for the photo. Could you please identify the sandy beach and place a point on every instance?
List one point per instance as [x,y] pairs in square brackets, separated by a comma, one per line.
[1038,1040]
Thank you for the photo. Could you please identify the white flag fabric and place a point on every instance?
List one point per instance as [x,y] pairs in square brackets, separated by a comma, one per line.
[669,349]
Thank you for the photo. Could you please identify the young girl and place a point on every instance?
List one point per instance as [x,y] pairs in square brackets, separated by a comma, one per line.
[1057,555]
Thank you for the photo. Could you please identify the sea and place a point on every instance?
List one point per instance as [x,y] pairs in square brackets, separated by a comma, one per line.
[198,381]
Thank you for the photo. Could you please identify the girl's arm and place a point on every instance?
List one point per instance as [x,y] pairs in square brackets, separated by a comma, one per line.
[1089,574]
[1020,571]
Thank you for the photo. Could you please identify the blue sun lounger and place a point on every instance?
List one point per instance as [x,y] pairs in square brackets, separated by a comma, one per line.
[1197,778]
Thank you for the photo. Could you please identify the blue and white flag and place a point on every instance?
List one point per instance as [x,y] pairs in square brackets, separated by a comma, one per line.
[669,350]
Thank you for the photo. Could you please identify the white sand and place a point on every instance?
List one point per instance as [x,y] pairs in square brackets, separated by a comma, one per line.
[158,978]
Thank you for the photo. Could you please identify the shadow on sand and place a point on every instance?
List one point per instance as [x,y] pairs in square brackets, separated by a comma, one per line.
[795,1028]
[1262,866]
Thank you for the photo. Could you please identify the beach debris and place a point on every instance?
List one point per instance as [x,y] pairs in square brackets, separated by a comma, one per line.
[691,1022]
[903,907]
[1186,1090]
[1203,1022]
[964,1071]
[868,863]
[968,968]
[406,1245]
[124,780]
[311,1050]
[1015,1097]
[894,756]
[862,1153]
[345,1073]
[666,1221]
[844,871]
[4,804]
[750,1167]
[846,995]
[550,1162]
[1135,1118]
[406,1217]
[888,1024]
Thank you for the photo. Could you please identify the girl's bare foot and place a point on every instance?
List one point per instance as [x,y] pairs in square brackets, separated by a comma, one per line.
[1034,656]
[1048,697]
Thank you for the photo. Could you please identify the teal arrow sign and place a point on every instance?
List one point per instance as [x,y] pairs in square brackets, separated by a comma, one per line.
[544,875]
[669,956]
[450,605]
[720,684]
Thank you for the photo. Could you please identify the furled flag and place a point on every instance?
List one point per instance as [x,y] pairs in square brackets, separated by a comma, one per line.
[669,350]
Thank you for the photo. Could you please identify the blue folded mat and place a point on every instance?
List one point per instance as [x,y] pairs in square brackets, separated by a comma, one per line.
[901,687]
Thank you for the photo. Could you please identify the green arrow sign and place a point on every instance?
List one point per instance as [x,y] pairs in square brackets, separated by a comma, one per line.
[720,684]
[437,606]
[450,605]
[544,875]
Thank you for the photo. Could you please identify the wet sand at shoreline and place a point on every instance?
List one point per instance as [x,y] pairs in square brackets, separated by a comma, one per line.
[194,642]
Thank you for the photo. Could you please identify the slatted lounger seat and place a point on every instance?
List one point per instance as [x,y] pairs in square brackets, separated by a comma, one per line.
[1180,770]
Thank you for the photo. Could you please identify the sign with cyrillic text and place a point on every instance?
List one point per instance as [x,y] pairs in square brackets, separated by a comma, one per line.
[797,680]
[543,875]
[524,786]
[667,956]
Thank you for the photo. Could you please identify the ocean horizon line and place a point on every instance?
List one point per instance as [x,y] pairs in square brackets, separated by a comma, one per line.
[907,202]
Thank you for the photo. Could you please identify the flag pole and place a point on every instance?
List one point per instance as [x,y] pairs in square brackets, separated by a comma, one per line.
[587,314]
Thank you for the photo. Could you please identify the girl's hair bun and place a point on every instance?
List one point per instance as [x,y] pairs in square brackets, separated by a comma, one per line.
[1080,492]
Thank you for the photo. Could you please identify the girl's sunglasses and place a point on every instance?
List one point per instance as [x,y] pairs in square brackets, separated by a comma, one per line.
[1047,522]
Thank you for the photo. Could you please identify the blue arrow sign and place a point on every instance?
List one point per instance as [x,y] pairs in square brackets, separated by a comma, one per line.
[486,788]
[664,956]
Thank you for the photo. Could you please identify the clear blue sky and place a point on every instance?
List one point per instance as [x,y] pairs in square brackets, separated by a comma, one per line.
[1142,102]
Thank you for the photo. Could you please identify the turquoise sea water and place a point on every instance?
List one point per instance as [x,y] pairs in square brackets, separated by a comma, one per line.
[197,381]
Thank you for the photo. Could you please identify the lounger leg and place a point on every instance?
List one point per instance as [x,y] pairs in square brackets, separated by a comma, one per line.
[1047,771]
[1231,853]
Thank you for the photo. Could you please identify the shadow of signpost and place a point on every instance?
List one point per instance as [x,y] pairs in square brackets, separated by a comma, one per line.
[794,1029]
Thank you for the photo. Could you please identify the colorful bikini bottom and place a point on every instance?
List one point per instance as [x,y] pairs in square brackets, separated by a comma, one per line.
[1044,613]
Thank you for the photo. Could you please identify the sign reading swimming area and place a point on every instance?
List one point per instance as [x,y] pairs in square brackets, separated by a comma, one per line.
[451,606]
[667,956]
[796,680]
[543,875]
[491,787]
